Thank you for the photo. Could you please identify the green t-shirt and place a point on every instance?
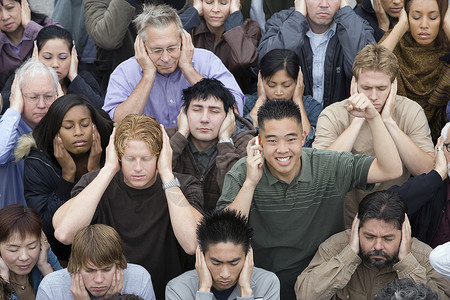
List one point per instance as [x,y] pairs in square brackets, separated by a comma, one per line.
[290,221]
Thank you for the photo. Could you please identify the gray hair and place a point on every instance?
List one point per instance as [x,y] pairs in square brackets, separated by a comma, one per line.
[159,16]
[444,131]
[406,289]
[33,68]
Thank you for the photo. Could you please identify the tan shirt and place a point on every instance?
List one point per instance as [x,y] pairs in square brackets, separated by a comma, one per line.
[334,119]
[336,272]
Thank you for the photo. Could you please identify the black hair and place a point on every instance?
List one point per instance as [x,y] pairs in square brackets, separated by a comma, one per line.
[53,32]
[224,226]
[279,59]
[206,88]
[46,130]
[382,205]
[406,289]
[279,109]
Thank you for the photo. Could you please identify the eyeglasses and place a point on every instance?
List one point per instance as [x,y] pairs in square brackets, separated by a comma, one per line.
[447,147]
[160,51]
[34,98]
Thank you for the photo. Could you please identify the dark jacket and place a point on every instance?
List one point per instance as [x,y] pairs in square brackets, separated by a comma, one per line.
[237,47]
[426,198]
[45,190]
[269,6]
[365,11]
[352,34]
[227,155]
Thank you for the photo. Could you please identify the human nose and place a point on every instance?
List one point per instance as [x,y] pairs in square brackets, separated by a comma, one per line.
[41,102]
[205,117]
[165,57]
[23,255]
[98,277]
[282,148]
[279,91]
[138,165]
[379,244]
[397,2]
[215,6]
[78,130]
[224,272]
[55,63]
[323,3]
[424,23]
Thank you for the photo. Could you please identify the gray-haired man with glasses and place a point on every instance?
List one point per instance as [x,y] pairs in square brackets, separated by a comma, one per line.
[33,91]
[165,63]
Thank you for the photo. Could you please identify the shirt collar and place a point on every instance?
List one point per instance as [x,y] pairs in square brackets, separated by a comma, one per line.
[304,175]
[329,33]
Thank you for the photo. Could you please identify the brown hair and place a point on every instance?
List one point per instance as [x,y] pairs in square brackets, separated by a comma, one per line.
[97,244]
[19,219]
[376,58]
[141,128]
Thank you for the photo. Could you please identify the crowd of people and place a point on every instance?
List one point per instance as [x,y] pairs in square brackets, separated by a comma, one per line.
[225,149]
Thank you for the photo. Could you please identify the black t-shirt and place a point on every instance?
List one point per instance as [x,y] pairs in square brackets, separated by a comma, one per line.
[222,295]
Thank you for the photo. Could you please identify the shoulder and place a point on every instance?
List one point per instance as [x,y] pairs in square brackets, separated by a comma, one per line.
[135,272]
[420,250]
[130,64]
[337,242]
[61,279]
[261,276]
[185,284]
[336,109]
[405,104]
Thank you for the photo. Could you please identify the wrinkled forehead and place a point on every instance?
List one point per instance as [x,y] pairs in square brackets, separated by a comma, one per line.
[38,83]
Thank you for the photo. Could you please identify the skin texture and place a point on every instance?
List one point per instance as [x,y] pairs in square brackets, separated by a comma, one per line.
[279,86]
[138,165]
[55,53]
[76,130]
[99,281]
[205,118]
[215,12]
[163,38]
[376,86]
[34,85]
[320,14]
[424,21]
[282,142]
[20,255]
[391,7]
[222,266]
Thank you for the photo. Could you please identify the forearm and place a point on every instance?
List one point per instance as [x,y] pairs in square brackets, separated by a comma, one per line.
[184,219]
[346,140]
[322,278]
[243,200]
[306,126]
[415,159]
[136,102]
[394,37]
[191,74]
[79,211]
[387,164]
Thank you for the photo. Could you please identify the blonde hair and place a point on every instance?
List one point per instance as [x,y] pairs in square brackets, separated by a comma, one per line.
[376,58]
[141,128]
[97,244]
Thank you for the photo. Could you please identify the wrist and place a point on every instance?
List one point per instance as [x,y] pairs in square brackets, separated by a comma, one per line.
[248,184]
[204,289]
[246,291]
[166,176]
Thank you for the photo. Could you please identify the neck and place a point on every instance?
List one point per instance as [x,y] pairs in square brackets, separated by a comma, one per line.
[286,177]
[16,36]
[217,31]
[203,145]
[318,29]
[18,279]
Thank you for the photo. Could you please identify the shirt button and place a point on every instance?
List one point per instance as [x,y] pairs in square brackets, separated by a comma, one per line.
[173,122]
[171,101]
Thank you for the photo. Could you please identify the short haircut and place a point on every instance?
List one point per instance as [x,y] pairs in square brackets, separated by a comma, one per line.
[279,109]
[207,88]
[224,226]
[376,58]
[119,296]
[279,59]
[159,16]
[139,128]
[53,32]
[49,126]
[382,205]
[19,219]
[444,131]
[97,244]
[35,68]
[406,289]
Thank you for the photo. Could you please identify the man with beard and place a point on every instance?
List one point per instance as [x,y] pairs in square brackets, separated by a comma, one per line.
[356,263]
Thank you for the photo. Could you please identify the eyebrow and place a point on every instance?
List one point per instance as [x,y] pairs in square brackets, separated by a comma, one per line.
[384,236]
[209,106]
[12,245]
[230,261]
[286,135]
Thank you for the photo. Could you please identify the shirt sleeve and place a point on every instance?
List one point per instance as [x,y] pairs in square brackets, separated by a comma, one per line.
[9,134]
[232,184]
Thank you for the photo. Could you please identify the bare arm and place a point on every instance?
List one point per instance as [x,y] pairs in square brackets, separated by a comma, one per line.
[255,161]
[183,216]
[397,32]
[136,102]
[79,211]
[415,159]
